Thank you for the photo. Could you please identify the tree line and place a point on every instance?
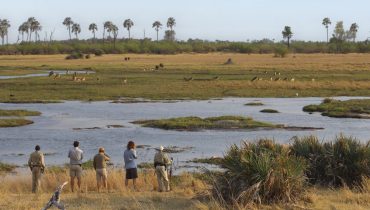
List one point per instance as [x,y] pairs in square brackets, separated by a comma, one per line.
[29,41]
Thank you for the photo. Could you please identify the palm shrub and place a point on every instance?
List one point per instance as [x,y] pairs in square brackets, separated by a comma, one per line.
[312,151]
[262,172]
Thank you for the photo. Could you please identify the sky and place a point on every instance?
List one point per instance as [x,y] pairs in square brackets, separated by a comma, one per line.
[234,20]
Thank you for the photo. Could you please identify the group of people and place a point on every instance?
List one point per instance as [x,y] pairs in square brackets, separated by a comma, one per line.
[36,164]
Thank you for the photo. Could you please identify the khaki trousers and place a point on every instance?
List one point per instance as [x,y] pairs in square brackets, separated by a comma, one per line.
[162,177]
[36,178]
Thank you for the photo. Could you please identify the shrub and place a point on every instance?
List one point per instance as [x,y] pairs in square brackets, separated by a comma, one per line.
[87,56]
[75,55]
[280,51]
[262,172]
[98,52]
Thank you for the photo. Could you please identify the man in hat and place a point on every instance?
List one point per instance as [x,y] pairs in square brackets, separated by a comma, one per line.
[75,156]
[100,167]
[161,161]
[37,164]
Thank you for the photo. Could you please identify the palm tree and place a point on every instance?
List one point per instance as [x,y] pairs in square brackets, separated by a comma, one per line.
[287,34]
[171,22]
[326,22]
[35,26]
[157,25]
[30,21]
[114,30]
[128,23]
[68,23]
[76,29]
[23,28]
[353,31]
[4,29]
[93,27]
[107,25]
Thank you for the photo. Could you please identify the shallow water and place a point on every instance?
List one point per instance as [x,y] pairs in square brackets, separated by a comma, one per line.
[61,72]
[53,130]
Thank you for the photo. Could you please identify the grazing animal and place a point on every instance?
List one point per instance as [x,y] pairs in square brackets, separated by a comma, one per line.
[83,79]
[285,79]
[51,73]
[296,94]
[57,76]
[260,79]
[292,80]
[313,80]
[97,78]
[254,78]
[11,95]
[55,198]
[265,72]
[271,78]
[156,67]
[216,78]
[188,79]
[278,73]
[125,81]
[277,79]
[275,73]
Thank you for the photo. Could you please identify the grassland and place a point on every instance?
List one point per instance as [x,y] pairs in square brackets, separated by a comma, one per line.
[356,108]
[19,113]
[6,167]
[314,75]
[188,192]
[14,122]
[210,123]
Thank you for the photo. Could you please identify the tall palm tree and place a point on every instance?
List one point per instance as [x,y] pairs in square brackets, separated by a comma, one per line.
[157,25]
[326,22]
[23,28]
[93,27]
[4,29]
[287,34]
[107,25]
[30,20]
[35,26]
[76,29]
[68,23]
[171,22]
[128,23]
[353,31]
[114,30]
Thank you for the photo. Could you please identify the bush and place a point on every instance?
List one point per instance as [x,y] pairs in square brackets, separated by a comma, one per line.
[262,172]
[344,162]
[98,52]
[88,56]
[280,51]
[75,55]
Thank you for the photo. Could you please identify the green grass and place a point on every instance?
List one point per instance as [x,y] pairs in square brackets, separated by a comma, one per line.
[254,104]
[4,123]
[212,123]
[269,111]
[334,75]
[19,113]
[4,167]
[356,108]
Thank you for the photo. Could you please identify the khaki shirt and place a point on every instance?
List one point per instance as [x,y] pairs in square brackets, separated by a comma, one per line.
[161,158]
[36,159]
[100,161]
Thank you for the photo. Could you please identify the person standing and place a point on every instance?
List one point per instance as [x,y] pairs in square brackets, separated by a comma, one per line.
[36,163]
[161,162]
[100,167]
[75,169]
[131,168]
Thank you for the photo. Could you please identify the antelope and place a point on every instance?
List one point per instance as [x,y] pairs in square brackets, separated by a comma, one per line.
[292,80]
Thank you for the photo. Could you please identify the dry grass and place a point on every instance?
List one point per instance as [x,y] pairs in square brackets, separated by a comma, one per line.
[188,193]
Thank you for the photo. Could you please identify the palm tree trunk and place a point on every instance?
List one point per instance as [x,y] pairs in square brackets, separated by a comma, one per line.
[7,38]
[22,36]
[327,35]
[103,35]
[129,35]
[69,30]
[157,35]
[94,34]
[288,42]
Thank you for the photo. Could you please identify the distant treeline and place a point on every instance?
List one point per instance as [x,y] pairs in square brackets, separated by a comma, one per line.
[173,47]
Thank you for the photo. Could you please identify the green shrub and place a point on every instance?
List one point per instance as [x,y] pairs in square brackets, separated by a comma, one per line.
[262,172]
[75,55]
[280,51]
[98,52]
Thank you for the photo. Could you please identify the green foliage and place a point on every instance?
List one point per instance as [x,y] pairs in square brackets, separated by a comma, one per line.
[75,55]
[19,113]
[269,111]
[14,122]
[280,51]
[344,162]
[197,123]
[169,46]
[4,167]
[355,108]
[259,172]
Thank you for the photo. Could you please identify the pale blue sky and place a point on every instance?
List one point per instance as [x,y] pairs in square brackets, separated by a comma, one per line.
[236,20]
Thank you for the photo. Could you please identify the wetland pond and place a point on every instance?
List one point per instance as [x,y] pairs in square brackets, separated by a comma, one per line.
[107,124]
